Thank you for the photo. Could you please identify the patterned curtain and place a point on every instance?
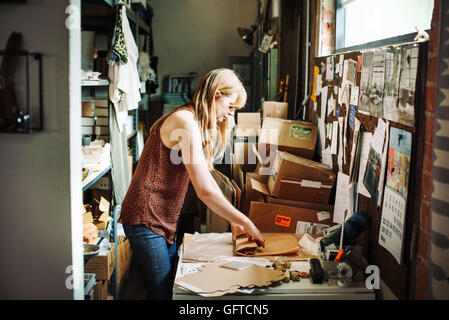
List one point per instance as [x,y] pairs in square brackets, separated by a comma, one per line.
[439,227]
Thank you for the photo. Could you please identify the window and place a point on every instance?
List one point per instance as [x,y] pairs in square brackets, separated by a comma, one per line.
[363,21]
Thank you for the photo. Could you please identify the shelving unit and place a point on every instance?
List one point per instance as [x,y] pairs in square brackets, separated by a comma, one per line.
[99,16]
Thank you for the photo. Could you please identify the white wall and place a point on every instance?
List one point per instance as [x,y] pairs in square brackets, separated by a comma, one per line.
[35,228]
[199,35]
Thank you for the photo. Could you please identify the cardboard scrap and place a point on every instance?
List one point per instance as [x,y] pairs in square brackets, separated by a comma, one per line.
[217,281]
[275,244]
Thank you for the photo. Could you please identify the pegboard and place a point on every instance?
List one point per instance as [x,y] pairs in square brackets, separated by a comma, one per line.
[398,277]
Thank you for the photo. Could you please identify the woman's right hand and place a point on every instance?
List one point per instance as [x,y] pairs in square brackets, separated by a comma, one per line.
[250,231]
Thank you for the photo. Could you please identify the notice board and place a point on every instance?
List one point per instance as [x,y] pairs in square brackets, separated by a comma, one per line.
[386,83]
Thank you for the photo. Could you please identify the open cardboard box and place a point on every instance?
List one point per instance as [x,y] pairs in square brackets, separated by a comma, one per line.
[291,177]
[103,264]
[297,178]
[296,137]
[275,109]
[248,124]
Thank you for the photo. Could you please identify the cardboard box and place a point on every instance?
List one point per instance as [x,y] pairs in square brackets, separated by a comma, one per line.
[101,290]
[88,121]
[300,204]
[296,137]
[275,109]
[298,178]
[87,130]
[103,264]
[102,121]
[101,130]
[248,124]
[275,218]
[101,112]
[87,108]
[251,193]
[102,103]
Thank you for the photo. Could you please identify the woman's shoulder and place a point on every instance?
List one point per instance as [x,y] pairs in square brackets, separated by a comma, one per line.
[181,118]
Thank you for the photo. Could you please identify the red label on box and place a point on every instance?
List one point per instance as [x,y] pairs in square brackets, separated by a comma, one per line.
[282,221]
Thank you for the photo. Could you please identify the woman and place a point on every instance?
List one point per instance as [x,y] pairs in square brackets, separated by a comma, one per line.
[181,147]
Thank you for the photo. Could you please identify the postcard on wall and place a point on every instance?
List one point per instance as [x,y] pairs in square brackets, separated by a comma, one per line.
[396,189]
[364,99]
[354,96]
[407,84]
[350,71]
[355,151]
[374,168]
[376,86]
[365,143]
[391,89]
[383,165]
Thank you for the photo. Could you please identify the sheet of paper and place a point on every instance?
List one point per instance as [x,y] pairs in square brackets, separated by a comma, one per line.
[354,148]
[334,138]
[379,136]
[318,84]
[365,146]
[383,165]
[340,63]
[327,157]
[330,105]
[340,143]
[345,130]
[323,102]
[330,68]
[342,200]
[329,130]
[321,134]
[354,96]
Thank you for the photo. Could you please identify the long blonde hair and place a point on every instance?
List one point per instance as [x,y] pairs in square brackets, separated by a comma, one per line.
[215,135]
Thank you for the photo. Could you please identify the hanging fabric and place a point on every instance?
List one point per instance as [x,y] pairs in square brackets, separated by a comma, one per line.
[124,88]
[119,154]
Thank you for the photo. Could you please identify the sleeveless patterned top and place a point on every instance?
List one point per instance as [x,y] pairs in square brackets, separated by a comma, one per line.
[158,187]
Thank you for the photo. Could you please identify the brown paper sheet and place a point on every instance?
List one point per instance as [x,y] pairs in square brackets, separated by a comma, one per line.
[275,244]
[216,280]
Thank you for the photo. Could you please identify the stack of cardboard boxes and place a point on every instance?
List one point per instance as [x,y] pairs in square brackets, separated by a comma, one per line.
[103,264]
[282,188]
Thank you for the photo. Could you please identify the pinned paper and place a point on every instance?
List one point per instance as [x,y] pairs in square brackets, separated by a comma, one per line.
[327,157]
[366,142]
[354,96]
[330,105]
[334,139]
[323,102]
[330,68]
[352,116]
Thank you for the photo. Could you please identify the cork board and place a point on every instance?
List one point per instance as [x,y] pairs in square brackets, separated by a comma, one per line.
[396,276]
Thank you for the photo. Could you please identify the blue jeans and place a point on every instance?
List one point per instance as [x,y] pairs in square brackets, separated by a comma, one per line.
[155,258]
